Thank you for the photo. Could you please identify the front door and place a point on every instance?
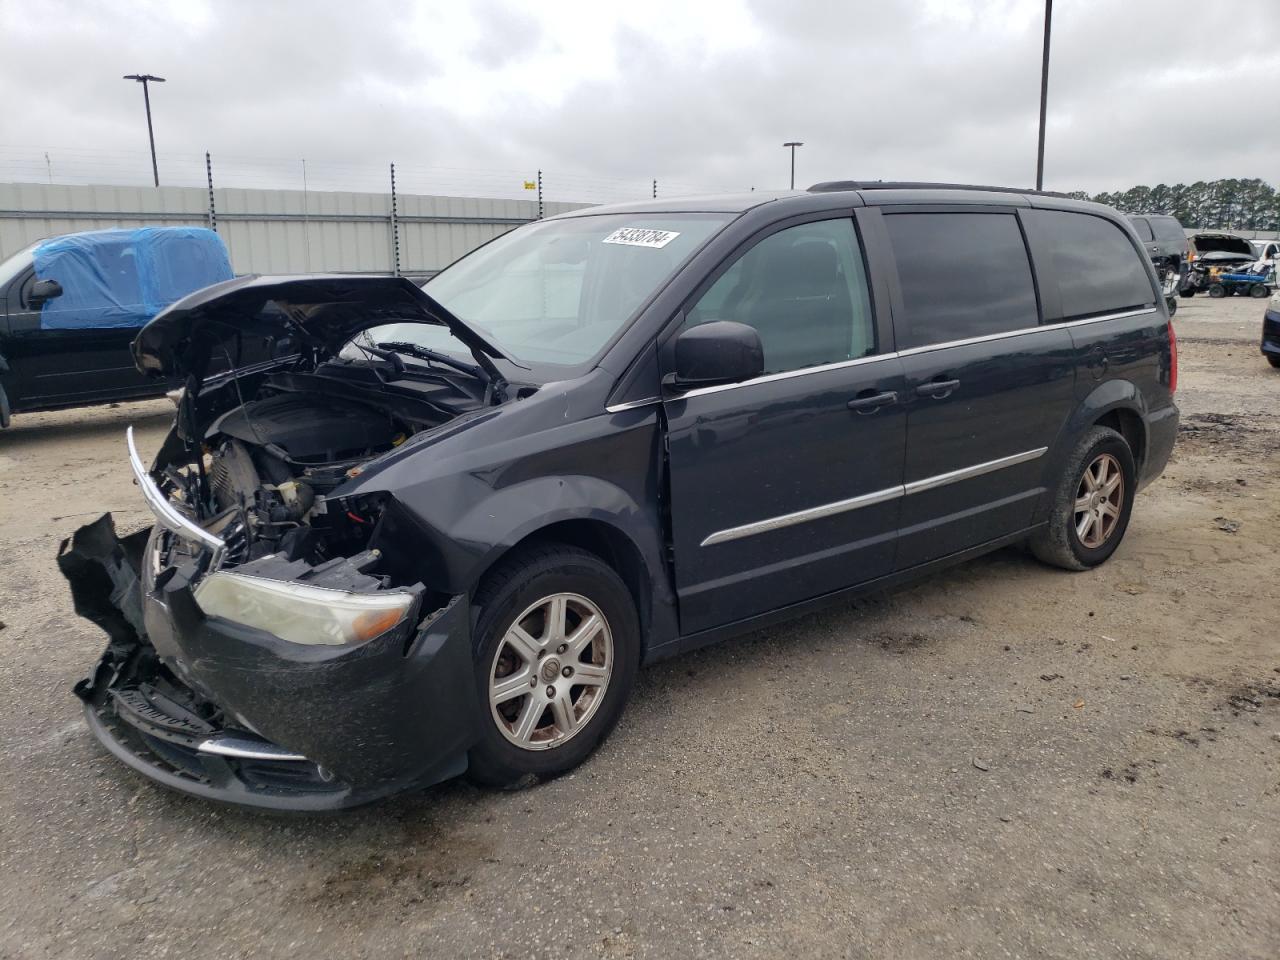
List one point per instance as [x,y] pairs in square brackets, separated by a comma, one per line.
[788,486]
[987,388]
[56,367]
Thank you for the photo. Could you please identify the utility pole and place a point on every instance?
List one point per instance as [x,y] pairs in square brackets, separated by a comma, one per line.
[1044,92]
[793,144]
[144,79]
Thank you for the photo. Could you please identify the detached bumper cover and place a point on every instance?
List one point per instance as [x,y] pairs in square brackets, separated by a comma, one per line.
[228,712]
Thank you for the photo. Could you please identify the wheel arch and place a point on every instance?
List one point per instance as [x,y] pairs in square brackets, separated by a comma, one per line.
[643,576]
[1117,404]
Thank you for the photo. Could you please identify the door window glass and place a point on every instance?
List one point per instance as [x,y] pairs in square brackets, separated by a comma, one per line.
[804,289]
[1142,227]
[962,275]
[1099,270]
[1168,229]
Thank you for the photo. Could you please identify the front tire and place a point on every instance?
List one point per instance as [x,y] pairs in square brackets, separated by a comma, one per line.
[1091,505]
[557,644]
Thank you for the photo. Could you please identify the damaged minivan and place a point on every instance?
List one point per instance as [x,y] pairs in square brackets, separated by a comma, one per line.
[443,527]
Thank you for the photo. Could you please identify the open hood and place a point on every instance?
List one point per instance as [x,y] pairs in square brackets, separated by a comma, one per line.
[1222,243]
[320,311]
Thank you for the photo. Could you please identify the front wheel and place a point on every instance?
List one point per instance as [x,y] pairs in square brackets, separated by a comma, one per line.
[1217,291]
[1091,504]
[557,644]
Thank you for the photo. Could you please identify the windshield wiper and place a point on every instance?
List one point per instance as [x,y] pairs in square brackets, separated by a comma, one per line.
[433,356]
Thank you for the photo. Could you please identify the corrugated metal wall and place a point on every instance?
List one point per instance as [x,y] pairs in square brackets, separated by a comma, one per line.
[276,231]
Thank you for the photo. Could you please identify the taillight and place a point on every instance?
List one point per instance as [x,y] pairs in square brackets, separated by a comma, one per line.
[1173,360]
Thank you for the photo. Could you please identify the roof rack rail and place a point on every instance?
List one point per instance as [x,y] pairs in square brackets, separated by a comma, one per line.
[831,186]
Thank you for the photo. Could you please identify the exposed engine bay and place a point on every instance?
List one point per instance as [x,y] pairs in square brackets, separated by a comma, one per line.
[259,474]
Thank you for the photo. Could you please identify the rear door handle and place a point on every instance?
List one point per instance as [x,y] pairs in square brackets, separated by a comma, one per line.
[936,388]
[874,402]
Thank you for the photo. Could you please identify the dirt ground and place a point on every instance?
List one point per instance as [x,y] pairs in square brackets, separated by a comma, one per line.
[1004,761]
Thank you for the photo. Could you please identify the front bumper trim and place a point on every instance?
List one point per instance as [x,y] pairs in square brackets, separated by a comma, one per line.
[242,748]
[166,514]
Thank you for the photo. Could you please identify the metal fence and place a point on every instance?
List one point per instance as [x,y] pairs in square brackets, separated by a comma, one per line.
[279,231]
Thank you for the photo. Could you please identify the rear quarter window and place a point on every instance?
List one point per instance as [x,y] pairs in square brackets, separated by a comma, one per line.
[1142,227]
[1168,229]
[1098,268]
[962,275]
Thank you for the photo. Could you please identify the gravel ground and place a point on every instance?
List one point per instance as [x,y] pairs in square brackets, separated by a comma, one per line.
[1006,760]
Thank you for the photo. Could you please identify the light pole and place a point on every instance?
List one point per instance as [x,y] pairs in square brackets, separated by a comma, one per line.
[793,144]
[1044,92]
[144,79]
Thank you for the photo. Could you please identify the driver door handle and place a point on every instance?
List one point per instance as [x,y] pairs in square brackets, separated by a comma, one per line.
[874,402]
[936,388]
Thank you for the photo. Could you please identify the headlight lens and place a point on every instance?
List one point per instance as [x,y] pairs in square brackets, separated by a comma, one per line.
[299,612]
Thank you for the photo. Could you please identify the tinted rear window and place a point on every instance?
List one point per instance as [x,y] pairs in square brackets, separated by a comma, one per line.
[1099,269]
[1168,229]
[962,275]
[1143,228]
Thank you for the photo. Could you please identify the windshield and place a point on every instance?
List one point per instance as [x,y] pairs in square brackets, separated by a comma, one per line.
[555,292]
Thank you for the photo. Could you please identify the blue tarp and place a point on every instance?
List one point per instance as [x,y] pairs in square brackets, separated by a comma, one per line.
[123,278]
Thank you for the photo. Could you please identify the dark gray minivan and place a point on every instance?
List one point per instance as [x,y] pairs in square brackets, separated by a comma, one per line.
[442,534]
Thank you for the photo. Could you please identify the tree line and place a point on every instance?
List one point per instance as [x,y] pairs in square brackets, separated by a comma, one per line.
[1220,204]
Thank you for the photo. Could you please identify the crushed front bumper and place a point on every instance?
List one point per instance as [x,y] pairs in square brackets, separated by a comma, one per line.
[228,712]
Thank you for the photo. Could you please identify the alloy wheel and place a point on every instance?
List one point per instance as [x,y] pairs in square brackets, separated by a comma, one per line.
[550,672]
[1099,501]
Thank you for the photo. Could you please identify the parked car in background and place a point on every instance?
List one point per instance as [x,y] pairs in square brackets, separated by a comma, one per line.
[70,307]
[1213,254]
[445,535]
[1268,250]
[1271,331]
[1166,244]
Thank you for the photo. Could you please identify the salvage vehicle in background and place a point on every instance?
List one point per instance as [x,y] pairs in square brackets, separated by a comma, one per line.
[1166,244]
[70,307]
[1212,254]
[445,533]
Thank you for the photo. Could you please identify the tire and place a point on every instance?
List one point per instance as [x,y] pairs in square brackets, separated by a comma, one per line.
[1060,542]
[1258,291]
[1217,291]
[1172,304]
[1274,361]
[516,748]
[1186,293]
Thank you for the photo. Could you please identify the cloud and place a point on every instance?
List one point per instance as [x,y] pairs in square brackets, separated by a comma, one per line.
[474,97]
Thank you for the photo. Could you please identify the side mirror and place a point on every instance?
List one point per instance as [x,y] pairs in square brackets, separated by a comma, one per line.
[715,353]
[43,290]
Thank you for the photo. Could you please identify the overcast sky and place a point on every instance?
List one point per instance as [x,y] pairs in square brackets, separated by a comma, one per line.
[473,96]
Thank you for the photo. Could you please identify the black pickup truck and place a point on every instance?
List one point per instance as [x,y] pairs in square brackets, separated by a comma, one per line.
[71,306]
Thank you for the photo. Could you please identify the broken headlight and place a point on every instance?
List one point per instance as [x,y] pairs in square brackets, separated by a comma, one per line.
[299,612]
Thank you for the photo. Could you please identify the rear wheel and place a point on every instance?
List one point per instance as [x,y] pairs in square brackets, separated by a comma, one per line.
[557,646]
[1172,304]
[1186,293]
[1258,291]
[1091,504]
[1217,291]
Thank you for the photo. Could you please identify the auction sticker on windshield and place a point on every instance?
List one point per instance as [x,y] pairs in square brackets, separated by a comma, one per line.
[641,237]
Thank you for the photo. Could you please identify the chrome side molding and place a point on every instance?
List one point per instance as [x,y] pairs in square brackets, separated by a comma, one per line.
[870,499]
[166,513]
